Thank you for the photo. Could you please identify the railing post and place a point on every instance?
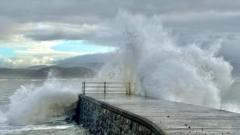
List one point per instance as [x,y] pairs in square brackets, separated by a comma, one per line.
[83,87]
[104,88]
[129,88]
[126,88]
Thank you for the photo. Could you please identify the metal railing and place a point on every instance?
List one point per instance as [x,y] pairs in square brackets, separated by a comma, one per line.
[107,87]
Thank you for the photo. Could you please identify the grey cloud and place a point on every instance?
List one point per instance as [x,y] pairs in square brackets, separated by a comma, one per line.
[99,34]
[61,9]
[61,31]
[189,20]
[65,35]
[185,14]
[52,10]
[98,11]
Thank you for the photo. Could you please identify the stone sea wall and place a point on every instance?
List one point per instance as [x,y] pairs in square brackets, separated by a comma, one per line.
[101,119]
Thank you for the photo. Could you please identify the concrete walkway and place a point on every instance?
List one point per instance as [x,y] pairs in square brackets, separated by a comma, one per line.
[177,118]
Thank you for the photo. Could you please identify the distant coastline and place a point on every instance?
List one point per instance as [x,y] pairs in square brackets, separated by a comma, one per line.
[42,72]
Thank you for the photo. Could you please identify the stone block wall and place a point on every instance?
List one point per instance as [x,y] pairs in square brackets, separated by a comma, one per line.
[104,119]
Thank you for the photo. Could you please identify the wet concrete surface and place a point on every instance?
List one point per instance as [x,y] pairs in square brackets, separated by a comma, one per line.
[177,118]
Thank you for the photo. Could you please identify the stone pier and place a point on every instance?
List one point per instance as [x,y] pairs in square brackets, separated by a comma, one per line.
[133,115]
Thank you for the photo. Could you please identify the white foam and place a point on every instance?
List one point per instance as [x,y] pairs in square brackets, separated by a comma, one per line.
[3,118]
[39,103]
[151,57]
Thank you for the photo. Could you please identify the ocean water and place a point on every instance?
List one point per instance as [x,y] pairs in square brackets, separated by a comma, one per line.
[36,106]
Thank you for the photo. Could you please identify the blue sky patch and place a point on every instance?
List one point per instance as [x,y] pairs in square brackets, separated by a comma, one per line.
[82,47]
[7,52]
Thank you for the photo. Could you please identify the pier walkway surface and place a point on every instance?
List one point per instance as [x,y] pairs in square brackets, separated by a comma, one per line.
[176,118]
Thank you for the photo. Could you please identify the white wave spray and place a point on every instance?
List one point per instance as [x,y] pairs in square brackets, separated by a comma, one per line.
[31,104]
[161,68]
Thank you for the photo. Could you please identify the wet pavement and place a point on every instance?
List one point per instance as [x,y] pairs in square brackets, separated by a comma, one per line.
[177,118]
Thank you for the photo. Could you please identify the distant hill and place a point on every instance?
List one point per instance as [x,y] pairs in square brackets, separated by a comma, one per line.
[79,66]
[93,61]
[37,67]
[42,72]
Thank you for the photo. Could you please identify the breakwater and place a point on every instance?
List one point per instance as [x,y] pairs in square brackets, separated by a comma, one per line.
[102,118]
[101,115]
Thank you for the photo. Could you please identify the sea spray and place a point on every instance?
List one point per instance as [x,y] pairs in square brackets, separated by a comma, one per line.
[31,104]
[230,99]
[161,68]
[3,118]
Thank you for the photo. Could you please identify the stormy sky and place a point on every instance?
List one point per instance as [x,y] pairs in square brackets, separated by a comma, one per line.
[41,32]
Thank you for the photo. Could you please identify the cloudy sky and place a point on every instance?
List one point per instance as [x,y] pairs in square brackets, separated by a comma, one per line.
[41,32]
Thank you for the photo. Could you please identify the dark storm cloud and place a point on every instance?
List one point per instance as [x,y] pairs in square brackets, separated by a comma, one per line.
[189,14]
[185,15]
[98,10]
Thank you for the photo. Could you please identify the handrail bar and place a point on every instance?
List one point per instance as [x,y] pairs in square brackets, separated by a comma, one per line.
[106,82]
[88,85]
